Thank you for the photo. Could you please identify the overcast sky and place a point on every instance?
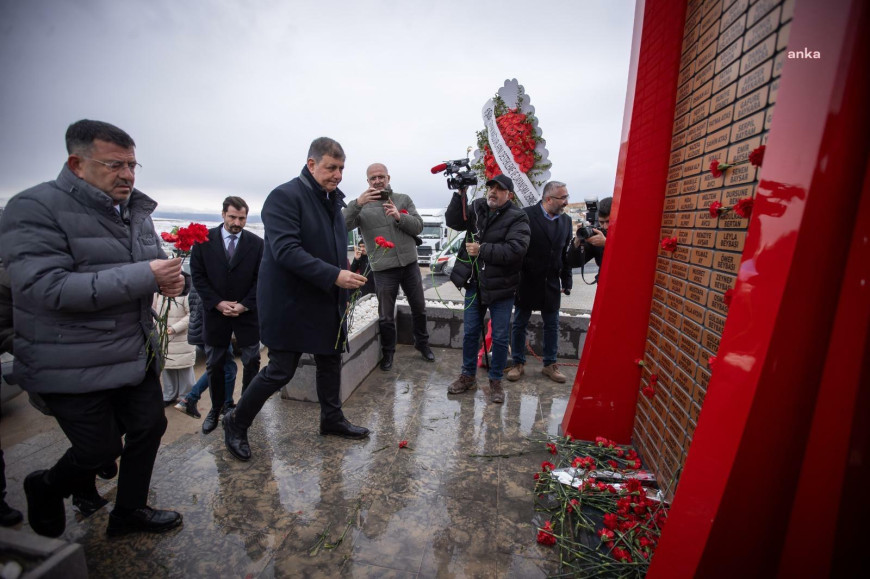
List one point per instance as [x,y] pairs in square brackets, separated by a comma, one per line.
[223,97]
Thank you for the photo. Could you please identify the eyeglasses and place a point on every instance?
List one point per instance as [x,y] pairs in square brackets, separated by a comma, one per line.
[117,165]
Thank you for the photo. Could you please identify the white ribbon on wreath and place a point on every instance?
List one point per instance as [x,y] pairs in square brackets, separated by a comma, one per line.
[527,192]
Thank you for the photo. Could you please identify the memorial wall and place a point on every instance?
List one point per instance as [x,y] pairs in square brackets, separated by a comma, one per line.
[732,57]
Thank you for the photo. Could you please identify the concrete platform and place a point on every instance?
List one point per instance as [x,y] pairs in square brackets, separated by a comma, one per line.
[456,502]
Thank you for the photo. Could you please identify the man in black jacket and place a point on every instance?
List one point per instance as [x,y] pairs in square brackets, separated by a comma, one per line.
[546,273]
[302,294]
[225,271]
[488,267]
[8,515]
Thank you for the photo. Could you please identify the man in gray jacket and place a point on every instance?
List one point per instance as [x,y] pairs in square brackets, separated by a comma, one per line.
[379,212]
[84,261]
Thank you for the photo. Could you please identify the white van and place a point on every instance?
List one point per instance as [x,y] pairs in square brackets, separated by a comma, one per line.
[435,234]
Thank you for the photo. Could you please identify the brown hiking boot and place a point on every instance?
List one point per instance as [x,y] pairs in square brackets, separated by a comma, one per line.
[516,372]
[496,392]
[462,384]
[552,372]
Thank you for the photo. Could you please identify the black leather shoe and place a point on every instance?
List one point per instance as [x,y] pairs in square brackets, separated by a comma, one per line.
[45,511]
[387,361]
[108,471]
[236,438]
[8,515]
[427,353]
[344,429]
[88,503]
[144,520]
[211,420]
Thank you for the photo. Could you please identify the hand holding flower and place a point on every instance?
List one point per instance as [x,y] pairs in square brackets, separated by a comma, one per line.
[167,272]
[348,280]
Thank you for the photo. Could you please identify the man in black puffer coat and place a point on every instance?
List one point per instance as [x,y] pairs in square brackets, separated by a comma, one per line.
[488,267]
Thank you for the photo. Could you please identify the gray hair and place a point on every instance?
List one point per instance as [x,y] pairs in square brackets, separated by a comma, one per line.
[325,146]
[551,188]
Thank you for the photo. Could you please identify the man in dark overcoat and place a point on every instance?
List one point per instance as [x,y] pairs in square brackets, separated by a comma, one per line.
[545,275]
[302,294]
[225,271]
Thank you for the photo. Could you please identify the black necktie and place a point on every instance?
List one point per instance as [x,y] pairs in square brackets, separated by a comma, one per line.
[231,248]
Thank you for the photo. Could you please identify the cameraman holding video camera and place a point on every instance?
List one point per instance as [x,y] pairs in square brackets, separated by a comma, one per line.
[590,240]
[488,267]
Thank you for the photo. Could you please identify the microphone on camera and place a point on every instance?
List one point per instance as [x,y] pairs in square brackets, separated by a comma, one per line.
[438,168]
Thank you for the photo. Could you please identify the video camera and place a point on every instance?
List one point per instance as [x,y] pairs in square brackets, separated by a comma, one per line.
[585,232]
[456,177]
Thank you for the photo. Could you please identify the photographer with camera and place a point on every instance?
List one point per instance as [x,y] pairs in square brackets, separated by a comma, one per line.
[381,212]
[590,239]
[488,267]
[546,275]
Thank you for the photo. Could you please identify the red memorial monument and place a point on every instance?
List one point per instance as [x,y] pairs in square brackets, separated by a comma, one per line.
[738,270]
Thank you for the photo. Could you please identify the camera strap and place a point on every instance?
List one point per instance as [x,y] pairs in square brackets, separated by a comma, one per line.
[582,263]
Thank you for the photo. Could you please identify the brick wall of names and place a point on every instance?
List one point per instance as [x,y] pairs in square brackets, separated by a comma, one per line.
[733,52]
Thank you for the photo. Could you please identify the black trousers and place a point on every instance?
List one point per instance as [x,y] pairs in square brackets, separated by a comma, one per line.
[93,423]
[278,372]
[2,470]
[388,282]
[216,359]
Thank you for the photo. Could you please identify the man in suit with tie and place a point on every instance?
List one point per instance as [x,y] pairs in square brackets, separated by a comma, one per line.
[225,271]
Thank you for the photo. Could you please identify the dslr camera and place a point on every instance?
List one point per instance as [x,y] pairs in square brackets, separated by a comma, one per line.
[458,172]
[585,232]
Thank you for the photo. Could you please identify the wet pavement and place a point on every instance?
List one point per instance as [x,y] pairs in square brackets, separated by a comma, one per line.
[456,502]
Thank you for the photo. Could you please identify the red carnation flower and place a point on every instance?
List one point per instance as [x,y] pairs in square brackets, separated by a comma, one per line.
[756,157]
[610,520]
[547,466]
[715,209]
[639,362]
[545,535]
[186,237]
[648,391]
[743,207]
[552,447]
[653,378]
[403,444]
[669,243]
[405,211]
[168,237]
[716,168]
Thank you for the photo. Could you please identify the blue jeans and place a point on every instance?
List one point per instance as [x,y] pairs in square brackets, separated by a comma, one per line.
[230,371]
[551,335]
[500,312]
